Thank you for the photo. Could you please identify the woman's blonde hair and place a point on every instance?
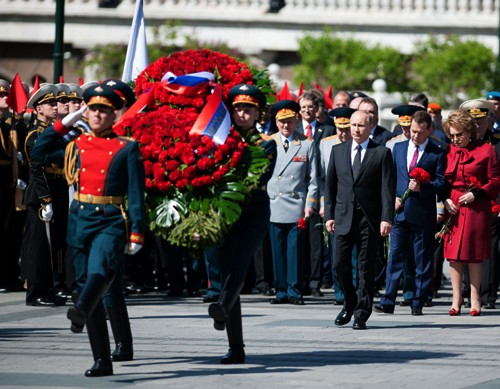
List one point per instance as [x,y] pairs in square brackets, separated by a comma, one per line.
[461,121]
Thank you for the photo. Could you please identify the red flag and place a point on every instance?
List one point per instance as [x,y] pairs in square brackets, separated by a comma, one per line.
[301,90]
[17,98]
[80,81]
[329,98]
[327,95]
[36,86]
[284,93]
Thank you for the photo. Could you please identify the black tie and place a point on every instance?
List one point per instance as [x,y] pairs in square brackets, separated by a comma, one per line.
[356,165]
[285,145]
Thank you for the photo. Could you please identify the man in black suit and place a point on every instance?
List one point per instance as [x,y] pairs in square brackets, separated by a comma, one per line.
[309,126]
[359,209]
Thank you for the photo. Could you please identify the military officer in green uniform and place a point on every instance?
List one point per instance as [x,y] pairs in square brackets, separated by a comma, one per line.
[245,236]
[102,226]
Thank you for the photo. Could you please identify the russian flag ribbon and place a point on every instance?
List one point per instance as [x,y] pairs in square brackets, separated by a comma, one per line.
[214,120]
[188,85]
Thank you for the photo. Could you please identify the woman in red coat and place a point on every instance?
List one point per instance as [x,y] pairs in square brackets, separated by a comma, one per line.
[474,176]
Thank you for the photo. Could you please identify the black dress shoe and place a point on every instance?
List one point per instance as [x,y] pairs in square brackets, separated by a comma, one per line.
[267,292]
[296,301]
[64,294]
[210,299]
[405,303]
[416,311]
[219,314]
[343,318]
[359,324]
[58,300]
[383,308]
[428,303]
[338,302]
[489,306]
[315,292]
[42,302]
[102,367]
[77,318]
[123,352]
[233,356]
[283,300]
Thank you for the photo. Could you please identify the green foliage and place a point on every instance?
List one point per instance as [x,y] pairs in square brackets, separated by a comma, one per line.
[348,63]
[452,70]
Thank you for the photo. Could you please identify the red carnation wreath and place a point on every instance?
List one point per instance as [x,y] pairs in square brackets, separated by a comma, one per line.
[194,187]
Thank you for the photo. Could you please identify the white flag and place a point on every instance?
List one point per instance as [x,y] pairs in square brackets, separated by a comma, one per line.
[137,50]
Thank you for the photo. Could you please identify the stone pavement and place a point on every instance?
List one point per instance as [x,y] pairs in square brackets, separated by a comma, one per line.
[287,347]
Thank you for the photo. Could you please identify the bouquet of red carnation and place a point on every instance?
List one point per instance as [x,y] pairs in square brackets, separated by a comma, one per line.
[302,223]
[421,176]
[195,188]
[495,208]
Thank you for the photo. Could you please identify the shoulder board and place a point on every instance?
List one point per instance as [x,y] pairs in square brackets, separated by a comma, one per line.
[127,138]
[496,135]
[329,137]
[265,137]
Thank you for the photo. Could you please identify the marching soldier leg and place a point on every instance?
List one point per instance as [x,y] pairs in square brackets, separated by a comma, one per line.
[104,257]
[97,330]
[234,328]
[116,308]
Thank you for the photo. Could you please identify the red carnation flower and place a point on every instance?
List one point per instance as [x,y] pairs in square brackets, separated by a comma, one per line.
[474,183]
[302,223]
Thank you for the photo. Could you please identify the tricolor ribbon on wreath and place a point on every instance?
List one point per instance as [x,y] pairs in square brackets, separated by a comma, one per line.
[213,121]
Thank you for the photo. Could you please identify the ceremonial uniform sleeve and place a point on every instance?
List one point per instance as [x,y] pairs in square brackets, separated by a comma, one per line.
[136,188]
[48,147]
[38,182]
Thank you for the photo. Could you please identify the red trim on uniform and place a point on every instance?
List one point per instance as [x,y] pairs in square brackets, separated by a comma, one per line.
[60,129]
[135,237]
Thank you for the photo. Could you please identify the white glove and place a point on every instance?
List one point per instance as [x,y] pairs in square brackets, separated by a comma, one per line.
[73,117]
[20,184]
[133,248]
[47,212]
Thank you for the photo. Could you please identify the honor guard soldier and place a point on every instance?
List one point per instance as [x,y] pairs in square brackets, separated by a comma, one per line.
[46,198]
[62,100]
[104,169]
[12,172]
[125,92]
[75,97]
[247,233]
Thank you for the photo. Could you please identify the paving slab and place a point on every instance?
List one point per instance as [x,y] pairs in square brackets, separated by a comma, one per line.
[287,347]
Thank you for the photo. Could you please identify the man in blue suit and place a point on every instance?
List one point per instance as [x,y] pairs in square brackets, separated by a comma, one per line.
[415,219]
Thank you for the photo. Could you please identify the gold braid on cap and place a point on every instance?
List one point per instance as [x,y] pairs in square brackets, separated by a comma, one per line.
[71,173]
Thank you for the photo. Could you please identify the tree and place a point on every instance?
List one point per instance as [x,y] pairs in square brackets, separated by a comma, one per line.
[348,63]
[452,70]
